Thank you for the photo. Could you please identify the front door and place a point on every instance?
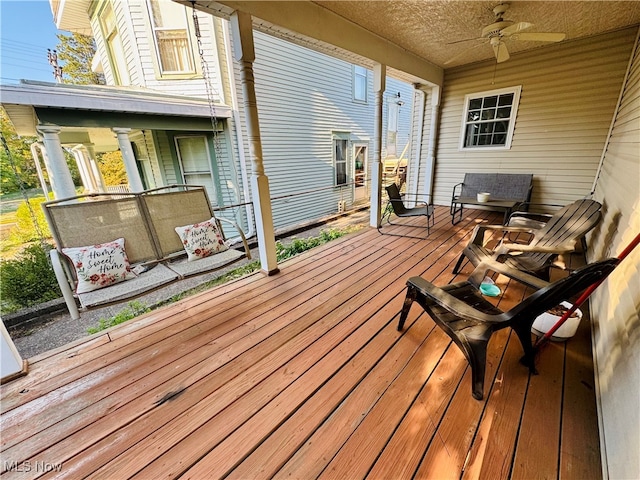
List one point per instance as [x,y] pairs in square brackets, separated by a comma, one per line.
[360,172]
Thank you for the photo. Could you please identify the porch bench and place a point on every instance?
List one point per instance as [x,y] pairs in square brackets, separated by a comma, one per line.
[147,222]
[508,191]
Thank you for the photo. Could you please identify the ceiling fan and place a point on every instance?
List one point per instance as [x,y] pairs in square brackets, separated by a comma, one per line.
[502,30]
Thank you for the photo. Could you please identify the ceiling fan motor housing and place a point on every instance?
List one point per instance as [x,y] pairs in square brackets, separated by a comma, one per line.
[494,29]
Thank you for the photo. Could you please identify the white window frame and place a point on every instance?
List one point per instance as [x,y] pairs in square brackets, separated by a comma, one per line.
[113,43]
[341,136]
[512,118]
[360,73]
[212,191]
[188,48]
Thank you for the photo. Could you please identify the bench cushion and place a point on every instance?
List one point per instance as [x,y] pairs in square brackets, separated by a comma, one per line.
[147,281]
[185,268]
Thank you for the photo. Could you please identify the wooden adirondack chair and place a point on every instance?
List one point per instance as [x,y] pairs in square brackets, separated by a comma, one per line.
[470,320]
[558,235]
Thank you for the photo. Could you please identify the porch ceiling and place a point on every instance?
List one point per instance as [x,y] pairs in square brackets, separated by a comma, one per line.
[425,29]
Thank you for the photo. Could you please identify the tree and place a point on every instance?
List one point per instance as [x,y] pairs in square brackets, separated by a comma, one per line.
[76,53]
[18,161]
[112,168]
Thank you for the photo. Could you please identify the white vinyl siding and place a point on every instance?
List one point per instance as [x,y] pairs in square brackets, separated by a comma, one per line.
[614,305]
[569,92]
[303,96]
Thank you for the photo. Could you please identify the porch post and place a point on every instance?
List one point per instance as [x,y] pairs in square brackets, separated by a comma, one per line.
[93,166]
[433,132]
[135,182]
[60,176]
[87,179]
[379,84]
[242,31]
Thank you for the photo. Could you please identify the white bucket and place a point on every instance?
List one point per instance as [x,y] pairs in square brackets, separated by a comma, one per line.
[484,197]
[545,321]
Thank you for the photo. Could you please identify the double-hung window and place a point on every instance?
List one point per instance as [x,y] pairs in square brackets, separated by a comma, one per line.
[359,84]
[171,37]
[115,48]
[340,152]
[195,162]
[489,119]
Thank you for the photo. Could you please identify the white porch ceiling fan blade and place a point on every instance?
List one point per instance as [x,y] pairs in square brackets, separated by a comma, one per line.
[500,51]
[540,37]
[464,52]
[515,28]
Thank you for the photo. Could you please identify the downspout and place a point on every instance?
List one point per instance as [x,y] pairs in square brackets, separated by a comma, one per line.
[238,128]
[615,113]
[431,148]
[420,104]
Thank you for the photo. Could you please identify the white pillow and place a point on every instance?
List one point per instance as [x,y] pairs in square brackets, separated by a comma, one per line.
[99,266]
[201,239]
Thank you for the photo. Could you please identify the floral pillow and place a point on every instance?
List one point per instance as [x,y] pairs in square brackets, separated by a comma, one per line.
[99,266]
[201,239]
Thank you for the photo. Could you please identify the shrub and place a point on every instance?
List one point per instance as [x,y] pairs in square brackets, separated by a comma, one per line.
[132,310]
[28,279]
[26,229]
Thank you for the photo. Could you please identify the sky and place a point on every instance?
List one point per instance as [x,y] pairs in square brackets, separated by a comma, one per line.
[26,32]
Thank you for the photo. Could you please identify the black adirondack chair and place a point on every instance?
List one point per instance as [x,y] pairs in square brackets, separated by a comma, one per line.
[560,234]
[470,320]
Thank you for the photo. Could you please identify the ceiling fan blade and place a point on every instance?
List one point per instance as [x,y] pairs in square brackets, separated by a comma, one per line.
[541,37]
[465,40]
[515,28]
[500,51]
[457,56]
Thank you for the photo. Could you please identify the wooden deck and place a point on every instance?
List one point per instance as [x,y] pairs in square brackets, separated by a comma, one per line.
[304,375]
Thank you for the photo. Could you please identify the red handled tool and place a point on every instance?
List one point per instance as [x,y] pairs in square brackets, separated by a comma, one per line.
[545,338]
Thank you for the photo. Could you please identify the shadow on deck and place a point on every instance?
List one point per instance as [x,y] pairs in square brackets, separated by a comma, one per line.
[304,375]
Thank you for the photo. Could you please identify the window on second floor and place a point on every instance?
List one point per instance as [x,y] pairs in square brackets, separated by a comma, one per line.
[489,119]
[359,83]
[171,37]
[114,46]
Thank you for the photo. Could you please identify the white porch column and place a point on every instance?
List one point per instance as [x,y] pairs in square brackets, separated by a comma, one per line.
[59,174]
[82,168]
[379,84]
[242,31]
[433,132]
[93,166]
[129,158]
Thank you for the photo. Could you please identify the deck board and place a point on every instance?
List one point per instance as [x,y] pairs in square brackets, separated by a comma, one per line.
[304,374]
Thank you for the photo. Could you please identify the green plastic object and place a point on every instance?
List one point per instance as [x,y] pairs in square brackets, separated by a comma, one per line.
[489,289]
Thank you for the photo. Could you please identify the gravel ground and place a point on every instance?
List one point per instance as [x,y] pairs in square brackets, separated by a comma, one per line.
[54,330]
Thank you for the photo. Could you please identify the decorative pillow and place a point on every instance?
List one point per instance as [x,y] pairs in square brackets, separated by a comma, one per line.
[100,265]
[201,239]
